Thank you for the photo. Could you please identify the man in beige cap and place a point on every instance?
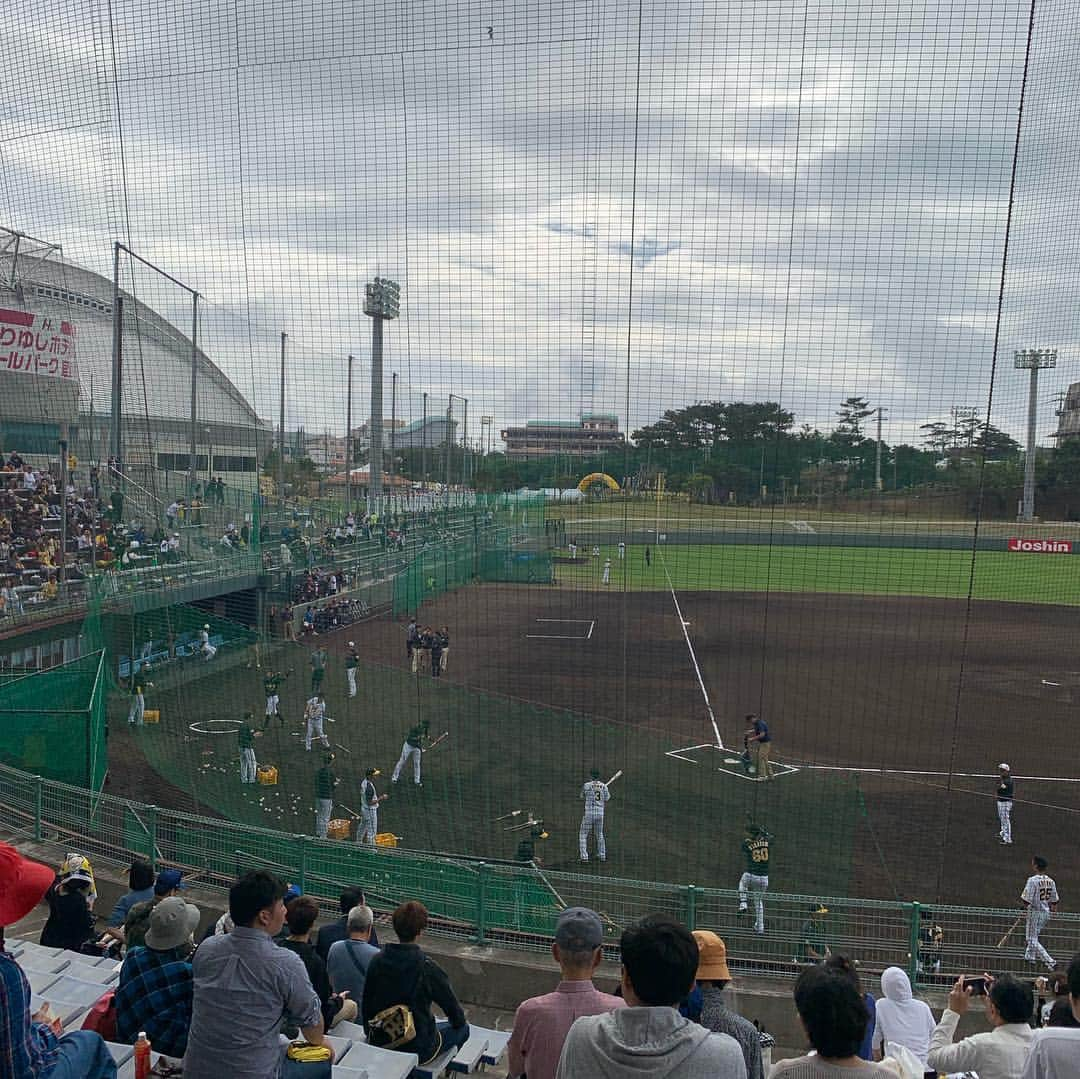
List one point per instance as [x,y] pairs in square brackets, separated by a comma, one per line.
[713,976]
[154,993]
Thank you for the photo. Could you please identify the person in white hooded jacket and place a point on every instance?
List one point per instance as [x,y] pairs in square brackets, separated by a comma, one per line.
[649,1037]
[901,1019]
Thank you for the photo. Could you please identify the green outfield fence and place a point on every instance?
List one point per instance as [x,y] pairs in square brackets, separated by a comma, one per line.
[509,904]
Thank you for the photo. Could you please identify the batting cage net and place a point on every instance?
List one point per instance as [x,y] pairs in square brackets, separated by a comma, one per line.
[638,441]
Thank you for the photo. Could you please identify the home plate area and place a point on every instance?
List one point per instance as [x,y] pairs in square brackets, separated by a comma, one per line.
[728,761]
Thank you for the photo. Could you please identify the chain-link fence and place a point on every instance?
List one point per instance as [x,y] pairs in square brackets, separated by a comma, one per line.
[516,904]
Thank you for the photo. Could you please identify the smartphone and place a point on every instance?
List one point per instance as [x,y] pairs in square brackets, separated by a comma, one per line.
[976,985]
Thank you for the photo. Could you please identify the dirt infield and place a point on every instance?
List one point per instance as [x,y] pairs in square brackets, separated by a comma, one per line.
[845,682]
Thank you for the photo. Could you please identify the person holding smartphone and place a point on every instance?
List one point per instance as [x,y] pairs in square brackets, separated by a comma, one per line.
[996,1054]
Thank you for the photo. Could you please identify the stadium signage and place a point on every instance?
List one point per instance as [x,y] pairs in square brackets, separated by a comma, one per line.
[1040,546]
[36,344]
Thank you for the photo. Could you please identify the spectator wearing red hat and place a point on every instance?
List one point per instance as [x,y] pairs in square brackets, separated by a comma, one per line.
[31,1045]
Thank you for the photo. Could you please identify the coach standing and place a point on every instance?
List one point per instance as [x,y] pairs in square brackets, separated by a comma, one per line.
[758,733]
[1005,790]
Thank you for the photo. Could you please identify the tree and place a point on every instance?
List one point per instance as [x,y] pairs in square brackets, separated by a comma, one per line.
[852,412]
[995,444]
[939,436]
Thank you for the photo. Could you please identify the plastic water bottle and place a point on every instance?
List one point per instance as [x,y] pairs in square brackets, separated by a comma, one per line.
[142,1056]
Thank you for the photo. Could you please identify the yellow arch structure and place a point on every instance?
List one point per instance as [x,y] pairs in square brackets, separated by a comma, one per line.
[597,477]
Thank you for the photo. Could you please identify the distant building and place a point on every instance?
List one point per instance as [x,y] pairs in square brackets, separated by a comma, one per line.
[326,451]
[593,434]
[428,433]
[1069,415]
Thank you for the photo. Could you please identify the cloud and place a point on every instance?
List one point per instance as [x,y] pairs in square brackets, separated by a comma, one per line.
[772,207]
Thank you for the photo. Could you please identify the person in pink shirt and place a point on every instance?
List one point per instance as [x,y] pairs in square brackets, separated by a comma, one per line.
[541,1023]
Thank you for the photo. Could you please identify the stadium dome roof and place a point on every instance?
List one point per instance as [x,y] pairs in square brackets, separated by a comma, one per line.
[157,355]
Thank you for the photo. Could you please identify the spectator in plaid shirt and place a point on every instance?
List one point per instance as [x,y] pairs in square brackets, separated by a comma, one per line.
[155,988]
[31,1046]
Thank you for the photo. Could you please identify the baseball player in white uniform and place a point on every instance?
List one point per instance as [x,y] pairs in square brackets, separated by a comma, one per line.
[369,808]
[315,714]
[606,579]
[205,647]
[622,550]
[595,795]
[1040,897]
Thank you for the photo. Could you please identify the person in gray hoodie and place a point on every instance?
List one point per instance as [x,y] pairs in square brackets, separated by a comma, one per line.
[649,1037]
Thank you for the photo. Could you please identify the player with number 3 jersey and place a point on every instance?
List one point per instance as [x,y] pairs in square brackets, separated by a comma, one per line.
[595,795]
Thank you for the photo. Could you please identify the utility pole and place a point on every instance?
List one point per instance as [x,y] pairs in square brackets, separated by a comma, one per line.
[423,443]
[348,443]
[1033,360]
[194,389]
[116,447]
[281,426]
[877,455]
[381,303]
[393,425]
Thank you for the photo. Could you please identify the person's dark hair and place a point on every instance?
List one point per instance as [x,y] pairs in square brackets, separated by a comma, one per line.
[349,898]
[1073,974]
[1013,999]
[410,920]
[253,892]
[832,1011]
[1061,1015]
[845,968]
[301,914]
[140,875]
[661,959]
[1039,863]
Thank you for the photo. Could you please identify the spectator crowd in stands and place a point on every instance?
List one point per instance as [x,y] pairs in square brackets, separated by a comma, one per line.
[260,983]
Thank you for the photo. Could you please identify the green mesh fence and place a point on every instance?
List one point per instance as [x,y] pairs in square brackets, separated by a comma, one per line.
[53,722]
[505,547]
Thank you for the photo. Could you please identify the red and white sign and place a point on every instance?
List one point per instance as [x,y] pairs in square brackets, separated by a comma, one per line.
[1040,546]
[34,344]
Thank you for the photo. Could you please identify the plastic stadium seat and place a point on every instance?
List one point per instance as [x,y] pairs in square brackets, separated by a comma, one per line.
[471,1055]
[43,964]
[74,991]
[378,1063]
[497,1041]
[120,1053]
[40,980]
[339,1045]
[353,1031]
[436,1067]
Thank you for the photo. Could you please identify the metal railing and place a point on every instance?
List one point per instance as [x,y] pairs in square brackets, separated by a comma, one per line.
[515,905]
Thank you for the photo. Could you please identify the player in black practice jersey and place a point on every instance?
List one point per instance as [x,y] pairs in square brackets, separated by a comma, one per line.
[1005,791]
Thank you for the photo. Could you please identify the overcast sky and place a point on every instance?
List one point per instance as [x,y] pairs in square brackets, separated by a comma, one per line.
[792,201]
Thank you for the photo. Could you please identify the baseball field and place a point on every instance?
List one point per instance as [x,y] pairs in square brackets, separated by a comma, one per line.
[891,699]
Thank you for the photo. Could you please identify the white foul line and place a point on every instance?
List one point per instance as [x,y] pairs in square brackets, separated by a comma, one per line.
[693,657]
[940,775]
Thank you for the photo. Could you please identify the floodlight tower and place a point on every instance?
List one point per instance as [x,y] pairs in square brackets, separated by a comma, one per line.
[1033,360]
[381,303]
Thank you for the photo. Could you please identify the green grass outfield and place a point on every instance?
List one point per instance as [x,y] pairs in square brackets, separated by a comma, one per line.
[890,571]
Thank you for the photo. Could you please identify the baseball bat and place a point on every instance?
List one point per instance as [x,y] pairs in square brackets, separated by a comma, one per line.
[614,777]
[444,735]
[512,813]
[1011,930]
[344,749]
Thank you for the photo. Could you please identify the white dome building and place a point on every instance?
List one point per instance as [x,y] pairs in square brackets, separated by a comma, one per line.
[56,333]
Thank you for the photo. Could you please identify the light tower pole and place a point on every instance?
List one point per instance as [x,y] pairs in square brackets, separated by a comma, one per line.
[381,303]
[878,485]
[1033,360]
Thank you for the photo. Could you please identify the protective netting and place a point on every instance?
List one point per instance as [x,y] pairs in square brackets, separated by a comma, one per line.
[54,723]
[705,398]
